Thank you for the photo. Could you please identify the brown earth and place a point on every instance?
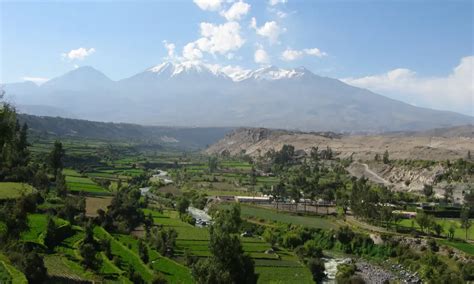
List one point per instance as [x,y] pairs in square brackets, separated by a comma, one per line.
[95,203]
[440,144]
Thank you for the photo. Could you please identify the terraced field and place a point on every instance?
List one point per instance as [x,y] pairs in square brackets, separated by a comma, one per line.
[77,182]
[256,213]
[196,241]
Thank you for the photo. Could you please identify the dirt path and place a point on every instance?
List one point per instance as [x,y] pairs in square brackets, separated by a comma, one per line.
[355,170]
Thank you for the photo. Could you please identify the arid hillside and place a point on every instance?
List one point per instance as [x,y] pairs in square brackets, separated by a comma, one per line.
[438,144]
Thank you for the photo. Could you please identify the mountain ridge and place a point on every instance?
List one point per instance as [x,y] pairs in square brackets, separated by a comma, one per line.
[199,94]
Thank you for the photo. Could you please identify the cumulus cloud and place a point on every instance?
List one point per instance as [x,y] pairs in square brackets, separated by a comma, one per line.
[220,38]
[79,53]
[261,56]
[170,47]
[270,30]
[292,54]
[276,2]
[236,11]
[36,80]
[191,52]
[209,5]
[315,52]
[454,92]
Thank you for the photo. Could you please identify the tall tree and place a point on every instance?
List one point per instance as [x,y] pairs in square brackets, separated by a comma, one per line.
[56,157]
[465,220]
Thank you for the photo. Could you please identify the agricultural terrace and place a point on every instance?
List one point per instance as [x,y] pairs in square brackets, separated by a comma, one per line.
[195,241]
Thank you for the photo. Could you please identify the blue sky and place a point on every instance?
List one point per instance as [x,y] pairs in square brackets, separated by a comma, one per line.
[380,45]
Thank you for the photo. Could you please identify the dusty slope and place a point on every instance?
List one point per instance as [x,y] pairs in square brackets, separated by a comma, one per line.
[434,145]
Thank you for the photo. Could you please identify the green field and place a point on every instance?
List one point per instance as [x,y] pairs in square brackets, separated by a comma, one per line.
[465,247]
[268,266]
[254,212]
[76,182]
[446,223]
[9,274]
[12,190]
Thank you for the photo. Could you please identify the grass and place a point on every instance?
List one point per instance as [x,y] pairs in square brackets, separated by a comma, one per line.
[12,190]
[37,224]
[249,211]
[9,274]
[126,255]
[459,233]
[462,246]
[173,271]
[269,267]
[76,182]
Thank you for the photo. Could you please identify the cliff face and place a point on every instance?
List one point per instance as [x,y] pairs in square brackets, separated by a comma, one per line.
[413,146]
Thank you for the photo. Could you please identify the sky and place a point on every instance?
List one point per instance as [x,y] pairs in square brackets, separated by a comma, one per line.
[420,52]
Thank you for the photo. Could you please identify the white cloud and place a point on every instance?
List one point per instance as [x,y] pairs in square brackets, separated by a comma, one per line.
[36,80]
[236,11]
[79,53]
[315,52]
[292,54]
[281,14]
[276,2]
[454,92]
[220,38]
[209,5]
[190,52]
[270,30]
[261,56]
[170,47]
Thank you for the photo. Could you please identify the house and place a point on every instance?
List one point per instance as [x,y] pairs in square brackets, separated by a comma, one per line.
[253,199]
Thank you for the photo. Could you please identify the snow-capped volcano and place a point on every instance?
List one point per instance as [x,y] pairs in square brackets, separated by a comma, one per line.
[201,94]
[172,69]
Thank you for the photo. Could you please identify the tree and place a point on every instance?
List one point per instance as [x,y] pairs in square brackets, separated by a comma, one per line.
[32,265]
[465,221]
[183,205]
[278,192]
[386,158]
[227,263]
[41,180]
[143,251]
[314,155]
[51,236]
[212,164]
[56,157]
[253,177]
[164,240]
[61,186]
[90,256]
[437,228]
[316,266]
[451,231]
[377,157]
[423,220]
[448,193]
[428,190]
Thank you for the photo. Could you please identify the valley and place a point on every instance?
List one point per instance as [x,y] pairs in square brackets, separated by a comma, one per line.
[298,205]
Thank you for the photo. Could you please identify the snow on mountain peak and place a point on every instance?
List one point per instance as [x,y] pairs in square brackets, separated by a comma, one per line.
[275,73]
[187,67]
[233,73]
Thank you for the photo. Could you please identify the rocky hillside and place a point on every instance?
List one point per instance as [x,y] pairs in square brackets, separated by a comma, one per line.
[430,145]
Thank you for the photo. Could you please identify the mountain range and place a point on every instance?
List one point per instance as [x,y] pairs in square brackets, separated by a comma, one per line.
[198,94]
